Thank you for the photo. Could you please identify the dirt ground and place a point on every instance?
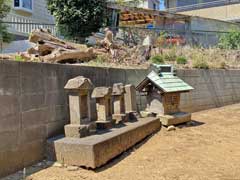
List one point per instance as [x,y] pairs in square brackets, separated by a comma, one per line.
[208,150]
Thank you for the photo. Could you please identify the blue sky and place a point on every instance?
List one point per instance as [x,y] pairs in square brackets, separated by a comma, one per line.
[161,4]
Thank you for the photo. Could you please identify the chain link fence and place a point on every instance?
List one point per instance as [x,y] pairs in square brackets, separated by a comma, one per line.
[131,36]
[168,37]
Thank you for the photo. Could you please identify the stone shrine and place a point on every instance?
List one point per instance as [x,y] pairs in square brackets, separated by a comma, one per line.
[103,96]
[81,123]
[163,97]
[119,103]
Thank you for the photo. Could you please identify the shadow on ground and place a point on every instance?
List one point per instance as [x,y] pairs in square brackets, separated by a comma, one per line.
[192,123]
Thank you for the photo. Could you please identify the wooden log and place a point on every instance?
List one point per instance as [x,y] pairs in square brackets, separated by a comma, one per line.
[7,57]
[32,50]
[41,35]
[62,56]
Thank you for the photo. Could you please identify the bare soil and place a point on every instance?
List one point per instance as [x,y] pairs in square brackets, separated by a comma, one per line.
[208,150]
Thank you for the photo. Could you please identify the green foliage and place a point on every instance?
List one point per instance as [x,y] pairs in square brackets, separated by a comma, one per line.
[158,59]
[181,60]
[230,40]
[4,9]
[18,58]
[77,19]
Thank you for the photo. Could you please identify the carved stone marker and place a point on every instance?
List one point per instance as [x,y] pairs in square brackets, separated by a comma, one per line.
[130,98]
[81,123]
[119,103]
[103,96]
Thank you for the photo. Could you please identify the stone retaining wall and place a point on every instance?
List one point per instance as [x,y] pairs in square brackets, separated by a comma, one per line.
[34,106]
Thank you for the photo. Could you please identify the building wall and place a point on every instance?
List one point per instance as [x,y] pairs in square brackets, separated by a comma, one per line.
[223,10]
[39,12]
[227,13]
[149,4]
[170,3]
[34,105]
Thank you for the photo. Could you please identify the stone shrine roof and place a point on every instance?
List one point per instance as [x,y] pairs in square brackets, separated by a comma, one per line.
[166,82]
[78,83]
[118,89]
[101,92]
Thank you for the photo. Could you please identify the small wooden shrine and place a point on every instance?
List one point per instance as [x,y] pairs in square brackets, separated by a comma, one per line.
[163,92]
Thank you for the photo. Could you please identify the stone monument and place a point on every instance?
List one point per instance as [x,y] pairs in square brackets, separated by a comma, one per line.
[119,103]
[103,96]
[130,98]
[131,102]
[81,124]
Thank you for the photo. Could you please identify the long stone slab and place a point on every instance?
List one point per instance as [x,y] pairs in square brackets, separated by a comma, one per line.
[95,151]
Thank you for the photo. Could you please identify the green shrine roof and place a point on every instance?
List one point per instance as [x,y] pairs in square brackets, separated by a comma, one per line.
[166,82]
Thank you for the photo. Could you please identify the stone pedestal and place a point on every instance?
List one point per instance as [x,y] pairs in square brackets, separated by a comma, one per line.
[96,150]
[120,118]
[174,119]
[80,131]
[81,124]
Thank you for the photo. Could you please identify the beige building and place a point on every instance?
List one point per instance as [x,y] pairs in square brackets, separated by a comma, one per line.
[27,15]
[215,9]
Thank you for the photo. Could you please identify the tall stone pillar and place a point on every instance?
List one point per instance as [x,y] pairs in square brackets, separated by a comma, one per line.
[130,98]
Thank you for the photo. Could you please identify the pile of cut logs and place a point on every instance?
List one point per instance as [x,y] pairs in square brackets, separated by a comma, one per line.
[51,49]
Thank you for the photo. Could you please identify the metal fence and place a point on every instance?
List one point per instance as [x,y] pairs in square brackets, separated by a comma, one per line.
[22,26]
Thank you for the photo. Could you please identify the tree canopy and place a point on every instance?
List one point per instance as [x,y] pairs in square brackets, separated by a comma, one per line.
[78,18]
[4,9]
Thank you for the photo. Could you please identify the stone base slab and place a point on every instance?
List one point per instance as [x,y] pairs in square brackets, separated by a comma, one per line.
[80,131]
[133,116]
[177,118]
[120,118]
[101,125]
[95,151]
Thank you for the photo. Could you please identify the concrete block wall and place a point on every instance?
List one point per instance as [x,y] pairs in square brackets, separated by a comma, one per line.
[213,88]
[34,105]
